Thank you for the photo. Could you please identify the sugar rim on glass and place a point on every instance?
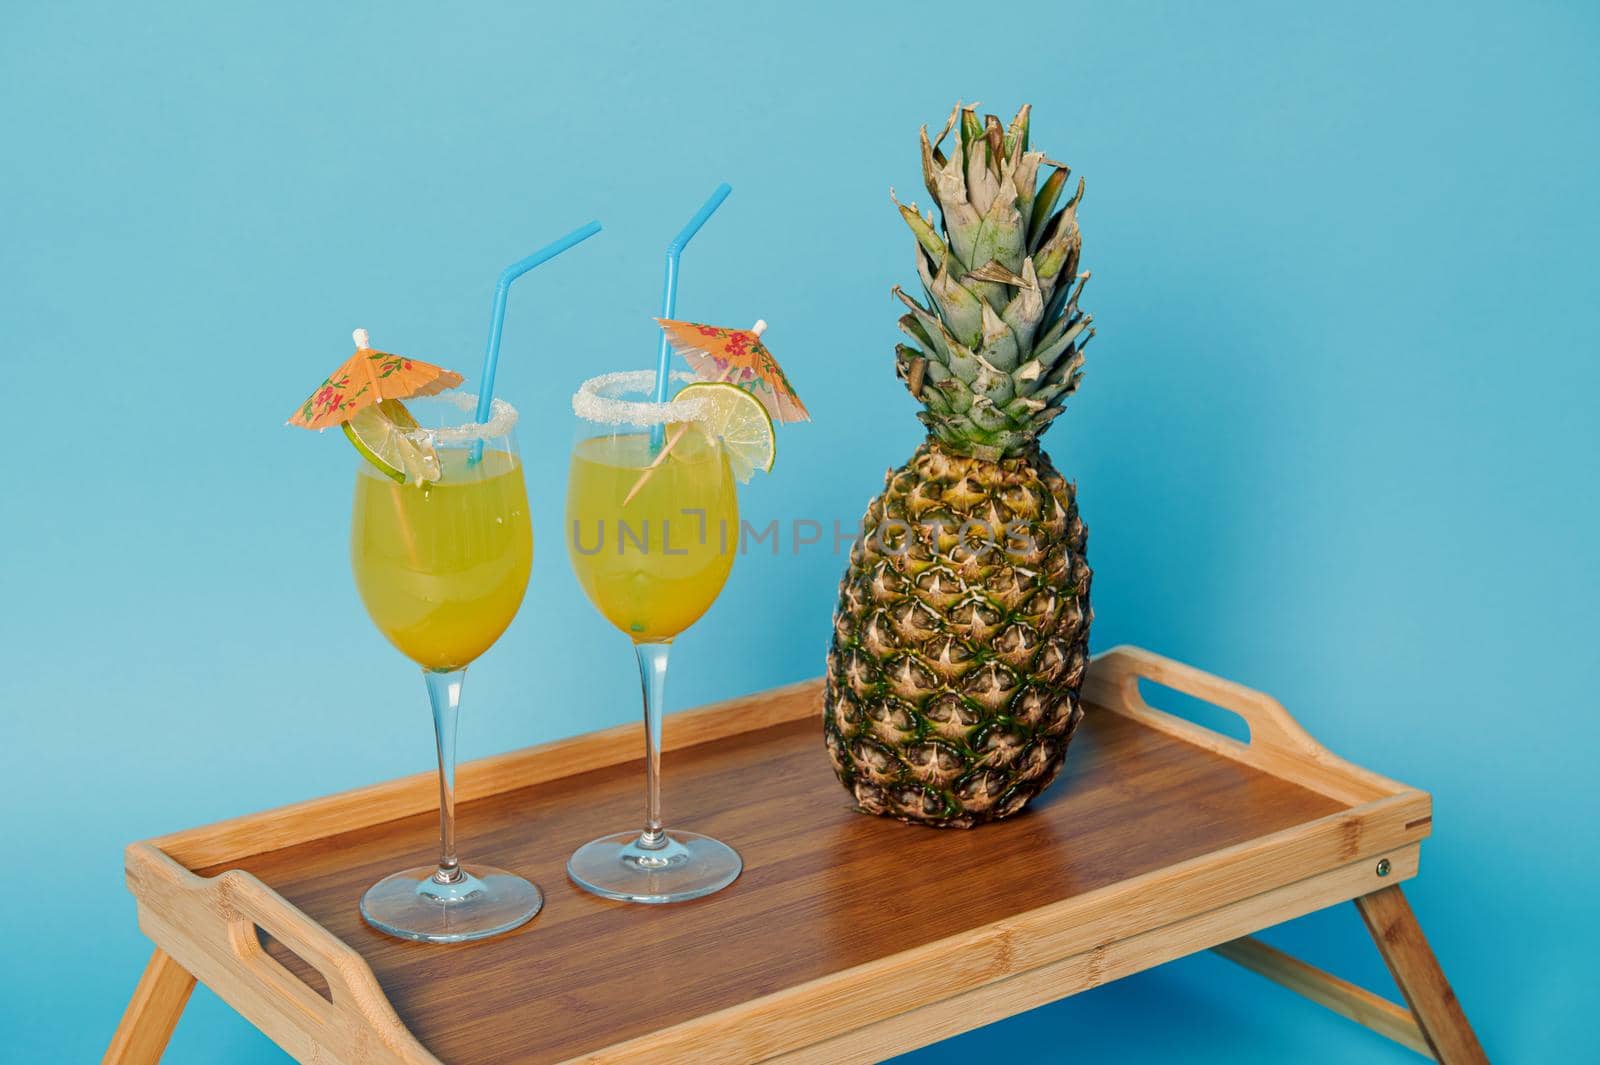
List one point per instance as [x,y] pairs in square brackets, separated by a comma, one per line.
[597,400]
[502,419]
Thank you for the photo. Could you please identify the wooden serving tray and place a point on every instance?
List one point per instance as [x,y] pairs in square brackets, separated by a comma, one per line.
[847,939]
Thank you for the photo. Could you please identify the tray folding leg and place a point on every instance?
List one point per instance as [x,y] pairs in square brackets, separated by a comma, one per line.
[152,1013]
[1432,1022]
[1411,962]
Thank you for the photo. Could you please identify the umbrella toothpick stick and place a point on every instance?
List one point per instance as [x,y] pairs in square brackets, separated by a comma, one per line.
[672,441]
[364,343]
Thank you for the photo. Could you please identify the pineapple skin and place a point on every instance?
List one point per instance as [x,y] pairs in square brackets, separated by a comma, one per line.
[958,653]
[961,635]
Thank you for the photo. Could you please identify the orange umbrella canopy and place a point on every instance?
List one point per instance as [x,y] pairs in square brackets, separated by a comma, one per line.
[366,378]
[737,355]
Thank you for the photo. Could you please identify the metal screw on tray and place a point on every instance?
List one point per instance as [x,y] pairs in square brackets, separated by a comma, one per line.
[1383,867]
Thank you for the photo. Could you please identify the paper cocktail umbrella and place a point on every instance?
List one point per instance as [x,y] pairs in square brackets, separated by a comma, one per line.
[367,378]
[728,356]
[737,356]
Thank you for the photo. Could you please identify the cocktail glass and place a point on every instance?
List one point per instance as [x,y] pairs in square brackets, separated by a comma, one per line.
[441,567]
[652,543]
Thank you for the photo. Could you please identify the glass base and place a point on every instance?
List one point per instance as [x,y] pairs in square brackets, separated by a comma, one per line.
[483,903]
[686,866]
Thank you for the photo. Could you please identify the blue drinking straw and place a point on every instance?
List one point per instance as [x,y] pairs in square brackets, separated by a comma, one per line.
[497,317]
[669,296]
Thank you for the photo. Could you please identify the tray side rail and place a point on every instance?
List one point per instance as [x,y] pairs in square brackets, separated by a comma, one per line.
[212,928]
[1340,854]
[1098,965]
[1278,744]
[302,822]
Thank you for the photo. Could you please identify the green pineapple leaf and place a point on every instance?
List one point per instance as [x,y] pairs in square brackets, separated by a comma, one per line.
[1044,203]
[997,344]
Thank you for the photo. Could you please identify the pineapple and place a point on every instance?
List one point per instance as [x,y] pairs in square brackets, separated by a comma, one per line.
[961,634]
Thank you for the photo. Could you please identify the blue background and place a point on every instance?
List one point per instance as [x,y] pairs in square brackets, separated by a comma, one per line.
[1337,438]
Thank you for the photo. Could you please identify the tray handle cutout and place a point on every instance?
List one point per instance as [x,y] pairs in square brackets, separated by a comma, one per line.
[301,969]
[1113,682]
[234,910]
[254,914]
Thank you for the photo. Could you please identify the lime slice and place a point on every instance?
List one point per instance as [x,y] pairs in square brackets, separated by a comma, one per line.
[742,423]
[382,434]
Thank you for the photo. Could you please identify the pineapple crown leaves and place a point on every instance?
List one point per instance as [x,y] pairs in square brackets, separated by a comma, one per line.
[998,344]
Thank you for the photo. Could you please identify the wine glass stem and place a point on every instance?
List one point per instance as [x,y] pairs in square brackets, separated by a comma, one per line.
[444,692]
[653,679]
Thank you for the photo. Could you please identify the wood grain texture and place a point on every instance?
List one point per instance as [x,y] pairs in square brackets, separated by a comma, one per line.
[1099,965]
[1416,971]
[1325,989]
[313,995]
[825,890]
[1161,838]
[152,1014]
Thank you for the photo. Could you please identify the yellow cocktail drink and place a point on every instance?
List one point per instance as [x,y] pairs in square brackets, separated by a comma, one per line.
[654,564]
[442,567]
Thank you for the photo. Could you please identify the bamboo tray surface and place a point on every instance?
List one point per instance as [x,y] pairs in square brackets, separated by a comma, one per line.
[1154,818]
